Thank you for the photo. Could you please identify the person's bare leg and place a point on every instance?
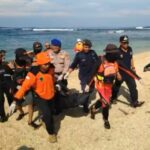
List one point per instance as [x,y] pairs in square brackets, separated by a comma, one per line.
[30,111]
[21,113]
[30,122]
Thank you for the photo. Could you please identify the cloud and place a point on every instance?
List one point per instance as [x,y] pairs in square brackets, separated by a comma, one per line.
[75,12]
[28,8]
[93,8]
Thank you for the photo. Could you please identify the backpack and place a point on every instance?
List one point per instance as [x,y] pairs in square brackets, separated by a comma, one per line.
[107,71]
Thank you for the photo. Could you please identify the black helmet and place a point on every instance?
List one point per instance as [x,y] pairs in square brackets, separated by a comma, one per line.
[37,47]
[87,42]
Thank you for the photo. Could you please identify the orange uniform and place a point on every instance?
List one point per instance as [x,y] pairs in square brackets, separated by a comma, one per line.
[106,74]
[41,83]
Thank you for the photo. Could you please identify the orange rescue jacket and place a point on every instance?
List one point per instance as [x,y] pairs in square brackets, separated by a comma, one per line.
[41,83]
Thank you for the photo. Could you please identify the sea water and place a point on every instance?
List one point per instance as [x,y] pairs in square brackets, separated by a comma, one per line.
[12,38]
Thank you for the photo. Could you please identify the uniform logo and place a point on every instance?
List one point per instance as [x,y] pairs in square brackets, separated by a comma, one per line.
[41,79]
[125,38]
[121,56]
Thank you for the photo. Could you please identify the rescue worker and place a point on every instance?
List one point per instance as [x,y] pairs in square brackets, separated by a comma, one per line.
[126,58]
[5,86]
[61,61]
[41,80]
[84,60]
[106,73]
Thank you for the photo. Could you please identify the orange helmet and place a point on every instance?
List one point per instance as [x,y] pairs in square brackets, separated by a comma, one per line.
[78,46]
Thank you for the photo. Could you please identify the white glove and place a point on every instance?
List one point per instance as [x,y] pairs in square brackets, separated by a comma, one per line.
[58,87]
[66,75]
[12,108]
[18,87]
[60,77]
[87,88]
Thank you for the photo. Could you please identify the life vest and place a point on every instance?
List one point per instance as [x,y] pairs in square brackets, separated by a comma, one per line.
[107,71]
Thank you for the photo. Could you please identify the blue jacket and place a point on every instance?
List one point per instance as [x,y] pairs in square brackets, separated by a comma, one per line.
[85,62]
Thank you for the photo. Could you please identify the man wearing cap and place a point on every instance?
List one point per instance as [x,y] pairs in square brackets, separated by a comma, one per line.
[41,80]
[61,61]
[126,58]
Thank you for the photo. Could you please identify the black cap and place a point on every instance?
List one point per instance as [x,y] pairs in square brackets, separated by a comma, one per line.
[87,42]
[124,38]
[111,48]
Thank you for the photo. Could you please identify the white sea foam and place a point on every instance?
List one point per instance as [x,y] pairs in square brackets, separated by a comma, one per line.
[37,29]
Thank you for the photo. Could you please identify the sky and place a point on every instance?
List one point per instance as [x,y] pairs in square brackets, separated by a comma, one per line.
[74,13]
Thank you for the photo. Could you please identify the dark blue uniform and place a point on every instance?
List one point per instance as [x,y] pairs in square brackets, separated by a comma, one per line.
[125,59]
[86,62]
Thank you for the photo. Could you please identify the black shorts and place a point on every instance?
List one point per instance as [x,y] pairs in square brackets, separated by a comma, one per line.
[28,99]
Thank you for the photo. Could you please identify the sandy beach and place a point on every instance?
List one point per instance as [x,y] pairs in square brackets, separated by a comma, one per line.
[130,128]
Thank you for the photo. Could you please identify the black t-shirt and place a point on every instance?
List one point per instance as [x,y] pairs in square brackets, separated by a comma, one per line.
[125,57]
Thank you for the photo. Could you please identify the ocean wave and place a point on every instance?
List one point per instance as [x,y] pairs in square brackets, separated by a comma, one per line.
[41,30]
[26,29]
[139,28]
[9,28]
[142,28]
[116,31]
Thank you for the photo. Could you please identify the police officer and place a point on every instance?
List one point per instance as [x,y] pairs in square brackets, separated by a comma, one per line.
[85,61]
[61,61]
[126,58]
[5,86]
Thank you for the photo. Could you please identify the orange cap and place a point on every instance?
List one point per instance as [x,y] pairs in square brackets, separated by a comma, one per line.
[42,58]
